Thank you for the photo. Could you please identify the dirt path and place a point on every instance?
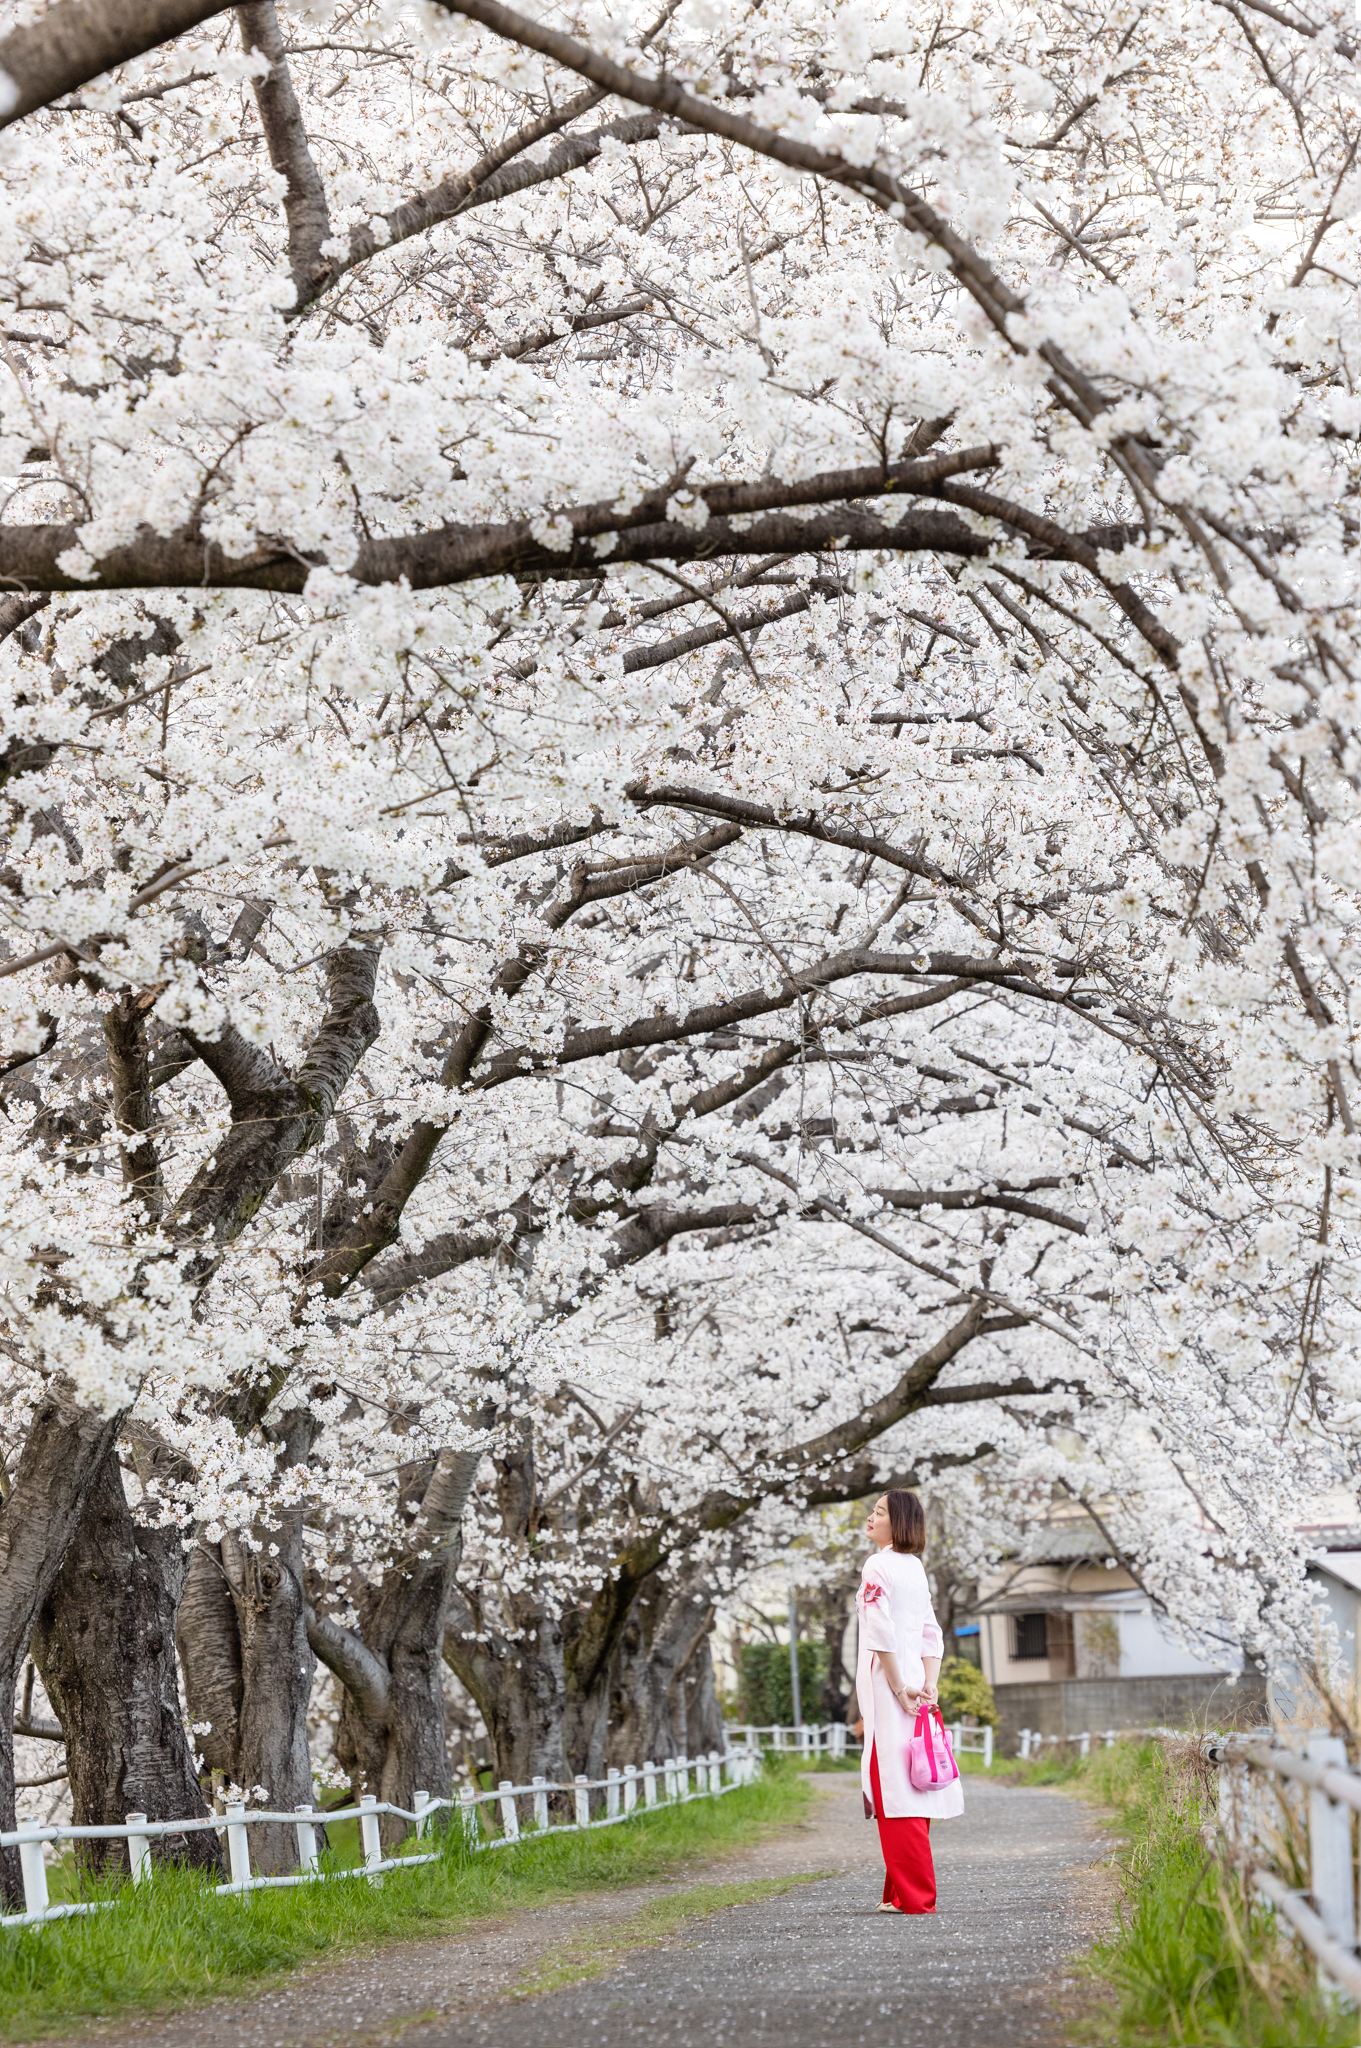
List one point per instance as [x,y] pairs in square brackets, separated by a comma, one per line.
[702,1961]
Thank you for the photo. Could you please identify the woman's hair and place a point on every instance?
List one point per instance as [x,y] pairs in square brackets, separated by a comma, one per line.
[907,1520]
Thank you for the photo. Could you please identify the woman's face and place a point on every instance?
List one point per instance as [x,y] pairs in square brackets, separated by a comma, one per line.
[878,1528]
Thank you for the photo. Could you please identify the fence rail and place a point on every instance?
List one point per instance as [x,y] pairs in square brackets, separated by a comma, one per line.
[626,1792]
[833,1739]
[807,1739]
[1031,1742]
[1323,1914]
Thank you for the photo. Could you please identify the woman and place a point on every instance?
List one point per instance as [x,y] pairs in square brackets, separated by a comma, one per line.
[896,1670]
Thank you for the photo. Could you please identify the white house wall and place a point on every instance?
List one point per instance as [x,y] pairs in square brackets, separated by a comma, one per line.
[1146,1651]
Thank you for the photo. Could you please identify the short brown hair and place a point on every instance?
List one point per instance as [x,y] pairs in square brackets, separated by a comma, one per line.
[907,1520]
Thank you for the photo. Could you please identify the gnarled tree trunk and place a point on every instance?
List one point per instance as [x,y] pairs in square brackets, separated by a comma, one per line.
[104,1644]
[62,1453]
[391,1737]
[521,1692]
[661,1694]
[248,1667]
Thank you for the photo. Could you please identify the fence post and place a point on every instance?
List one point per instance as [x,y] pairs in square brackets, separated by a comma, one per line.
[839,1733]
[1109,1738]
[1330,1847]
[630,1787]
[510,1819]
[467,1800]
[611,1794]
[987,1749]
[540,1803]
[420,1801]
[32,1867]
[238,1844]
[139,1849]
[368,1831]
[1024,1751]
[715,1772]
[307,1840]
[669,1777]
[1084,1743]
[1235,1805]
[649,1784]
[583,1800]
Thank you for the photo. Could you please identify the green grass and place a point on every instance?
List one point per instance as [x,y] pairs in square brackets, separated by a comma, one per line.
[1191,1961]
[174,1940]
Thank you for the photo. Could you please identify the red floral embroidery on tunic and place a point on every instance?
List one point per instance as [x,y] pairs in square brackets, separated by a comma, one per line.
[871,1591]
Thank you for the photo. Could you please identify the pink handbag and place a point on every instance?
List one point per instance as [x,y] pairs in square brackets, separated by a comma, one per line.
[930,1760]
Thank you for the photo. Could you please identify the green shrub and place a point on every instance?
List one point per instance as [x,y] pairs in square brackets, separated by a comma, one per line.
[765,1696]
[965,1691]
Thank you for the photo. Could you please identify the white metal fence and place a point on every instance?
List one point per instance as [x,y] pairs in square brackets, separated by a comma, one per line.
[805,1740]
[833,1740]
[489,1820]
[1262,1825]
[1031,1742]
[972,1742]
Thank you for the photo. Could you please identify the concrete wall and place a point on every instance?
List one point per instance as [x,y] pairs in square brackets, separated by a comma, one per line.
[1067,1706]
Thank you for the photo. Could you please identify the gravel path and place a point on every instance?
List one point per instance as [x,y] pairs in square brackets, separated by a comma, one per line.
[816,1967]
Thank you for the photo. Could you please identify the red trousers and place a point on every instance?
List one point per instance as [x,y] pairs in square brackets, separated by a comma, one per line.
[909,1873]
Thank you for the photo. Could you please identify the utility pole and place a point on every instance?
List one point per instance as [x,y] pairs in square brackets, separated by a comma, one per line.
[794,1655]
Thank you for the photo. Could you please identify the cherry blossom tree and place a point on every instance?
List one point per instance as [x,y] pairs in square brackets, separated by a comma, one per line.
[680,776]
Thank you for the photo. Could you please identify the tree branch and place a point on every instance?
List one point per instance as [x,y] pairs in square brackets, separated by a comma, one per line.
[364,1676]
[134,1101]
[976,1198]
[371,1233]
[274,1122]
[305,209]
[594,535]
[79,40]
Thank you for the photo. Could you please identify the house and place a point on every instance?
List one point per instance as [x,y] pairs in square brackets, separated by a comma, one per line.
[1070,1642]
[1335,1573]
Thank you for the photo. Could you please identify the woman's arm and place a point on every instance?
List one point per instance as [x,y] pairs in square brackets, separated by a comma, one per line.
[931,1666]
[889,1665]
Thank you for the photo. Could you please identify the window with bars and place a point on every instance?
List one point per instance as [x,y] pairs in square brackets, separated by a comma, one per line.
[1029,1636]
[1047,1637]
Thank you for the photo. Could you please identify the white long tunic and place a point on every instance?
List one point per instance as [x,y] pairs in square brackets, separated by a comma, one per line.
[896,1617]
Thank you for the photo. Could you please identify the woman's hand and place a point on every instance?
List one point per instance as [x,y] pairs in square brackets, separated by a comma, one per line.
[907,1699]
[930,1696]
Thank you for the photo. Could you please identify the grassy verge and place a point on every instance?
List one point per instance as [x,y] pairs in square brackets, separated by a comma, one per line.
[1192,1960]
[174,1940]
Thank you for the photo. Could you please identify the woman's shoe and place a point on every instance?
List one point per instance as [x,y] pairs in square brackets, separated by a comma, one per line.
[886,1908]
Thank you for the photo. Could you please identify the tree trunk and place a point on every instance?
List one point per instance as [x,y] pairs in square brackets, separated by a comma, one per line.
[210,1656]
[661,1682]
[593,1636]
[273,1764]
[104,1646]
[248,1671]
[38,1517]
[696,1690]
[521,1692]
[391,1738]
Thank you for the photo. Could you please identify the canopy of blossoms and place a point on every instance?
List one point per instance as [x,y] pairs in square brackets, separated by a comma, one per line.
[680,774]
